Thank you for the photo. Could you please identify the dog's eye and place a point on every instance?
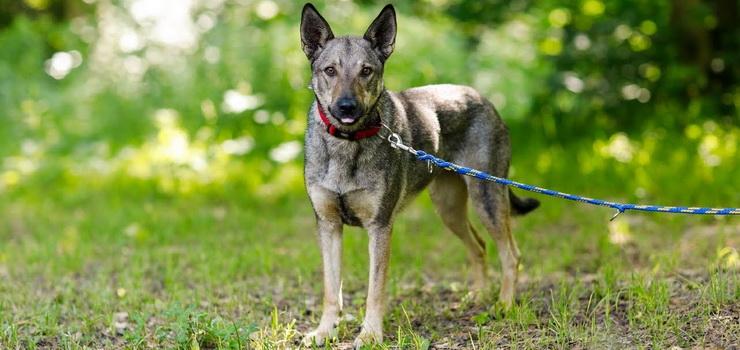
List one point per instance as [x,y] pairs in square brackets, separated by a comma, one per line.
[367,71]
[330,70]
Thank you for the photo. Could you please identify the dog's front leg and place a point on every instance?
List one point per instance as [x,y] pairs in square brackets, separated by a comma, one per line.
[330,244]
[380,249]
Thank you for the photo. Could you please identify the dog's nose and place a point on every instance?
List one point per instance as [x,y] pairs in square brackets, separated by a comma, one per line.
[347,105]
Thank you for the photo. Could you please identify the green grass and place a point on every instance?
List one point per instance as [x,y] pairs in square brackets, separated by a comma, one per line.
[112,268]
[127,223]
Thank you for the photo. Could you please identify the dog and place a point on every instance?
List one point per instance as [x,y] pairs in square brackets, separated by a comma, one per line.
[353,177]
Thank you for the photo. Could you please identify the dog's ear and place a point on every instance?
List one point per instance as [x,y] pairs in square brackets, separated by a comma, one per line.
[315,32]
[382,33]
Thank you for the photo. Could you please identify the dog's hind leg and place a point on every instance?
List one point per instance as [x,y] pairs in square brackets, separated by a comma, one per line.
[450,198]
[491,203]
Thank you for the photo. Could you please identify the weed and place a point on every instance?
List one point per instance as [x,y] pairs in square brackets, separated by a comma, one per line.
[276,335]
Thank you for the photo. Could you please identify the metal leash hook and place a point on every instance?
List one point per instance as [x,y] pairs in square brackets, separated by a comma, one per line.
[619,211]
[396,142]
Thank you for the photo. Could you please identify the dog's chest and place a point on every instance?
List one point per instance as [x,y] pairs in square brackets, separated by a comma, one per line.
[347,167]
[345,180]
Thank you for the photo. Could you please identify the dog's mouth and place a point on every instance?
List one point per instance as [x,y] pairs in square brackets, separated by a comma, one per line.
[348,120]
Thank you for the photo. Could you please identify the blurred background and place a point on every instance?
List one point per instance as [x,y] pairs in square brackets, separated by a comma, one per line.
[634,100]
[151,186]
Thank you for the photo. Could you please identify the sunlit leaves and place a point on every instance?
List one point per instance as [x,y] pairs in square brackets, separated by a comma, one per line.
[61,63]
[10,178]
[572,82]
[648,27]
[551,46]
[592,7]
[267,9]
[619,147]
[37,4]
[635,92]
[622,32]
[650,71]
[639,42]
[286,152]
[559,17]
[236,102]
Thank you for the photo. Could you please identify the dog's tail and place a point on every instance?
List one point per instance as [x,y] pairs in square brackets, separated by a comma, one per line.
[522,205]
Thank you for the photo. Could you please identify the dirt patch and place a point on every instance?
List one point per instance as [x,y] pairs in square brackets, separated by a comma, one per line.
[440,314]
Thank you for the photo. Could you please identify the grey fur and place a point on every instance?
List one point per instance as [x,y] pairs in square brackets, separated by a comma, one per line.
[366,182]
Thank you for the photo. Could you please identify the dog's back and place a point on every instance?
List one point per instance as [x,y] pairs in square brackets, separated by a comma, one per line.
[468,127]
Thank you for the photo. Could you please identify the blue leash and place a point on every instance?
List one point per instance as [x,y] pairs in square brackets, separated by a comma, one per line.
[395,141]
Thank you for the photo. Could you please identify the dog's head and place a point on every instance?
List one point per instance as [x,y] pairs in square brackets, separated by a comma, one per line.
[347,71]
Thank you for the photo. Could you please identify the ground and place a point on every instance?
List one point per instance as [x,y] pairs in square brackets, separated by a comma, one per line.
[99,270]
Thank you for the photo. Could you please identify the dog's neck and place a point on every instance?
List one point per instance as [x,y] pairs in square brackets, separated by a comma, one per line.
[352,136]
[370,129]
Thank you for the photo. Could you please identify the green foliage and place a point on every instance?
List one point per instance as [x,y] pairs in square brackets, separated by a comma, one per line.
[626,65]
[102,99]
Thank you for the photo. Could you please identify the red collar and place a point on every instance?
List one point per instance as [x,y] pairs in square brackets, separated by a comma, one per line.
[352,136]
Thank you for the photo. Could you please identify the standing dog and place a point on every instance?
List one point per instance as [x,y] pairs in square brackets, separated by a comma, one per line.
[355,178]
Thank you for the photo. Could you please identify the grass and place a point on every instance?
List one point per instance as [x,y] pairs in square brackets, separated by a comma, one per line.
[132,269]
[137,212]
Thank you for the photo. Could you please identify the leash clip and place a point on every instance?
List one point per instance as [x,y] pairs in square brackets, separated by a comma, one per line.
[619,211]
[396,142]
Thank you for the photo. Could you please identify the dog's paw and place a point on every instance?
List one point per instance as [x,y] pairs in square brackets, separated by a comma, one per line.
[474,297]
[319,337]
[500,310]
[367,338]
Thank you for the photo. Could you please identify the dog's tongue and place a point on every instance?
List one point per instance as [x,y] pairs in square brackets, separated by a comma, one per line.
[348,120]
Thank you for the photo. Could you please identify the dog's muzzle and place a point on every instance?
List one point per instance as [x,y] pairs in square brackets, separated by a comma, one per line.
[348,109]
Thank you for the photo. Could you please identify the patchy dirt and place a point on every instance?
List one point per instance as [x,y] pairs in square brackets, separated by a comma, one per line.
[440,314]
[683,310]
